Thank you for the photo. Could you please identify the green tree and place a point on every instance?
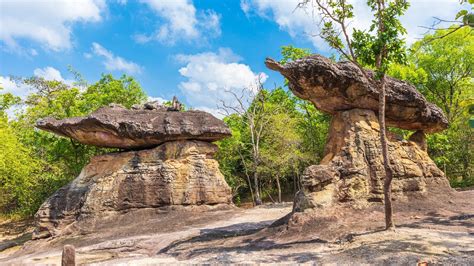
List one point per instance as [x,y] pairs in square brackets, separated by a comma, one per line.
[378,47]
[48,161]
[449,66]
[441,67]
[313,124]
[280,150]
[231,156]
[292,138]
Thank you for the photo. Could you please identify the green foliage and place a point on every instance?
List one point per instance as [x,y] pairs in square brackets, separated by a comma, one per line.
[466,16]
[281,153]
[48,161]
[441,67]
[382,44]
[448,63]
[313,125]
[8,100]
[230,156]
[293,138]
[125,91]
[290,53]
[25,179]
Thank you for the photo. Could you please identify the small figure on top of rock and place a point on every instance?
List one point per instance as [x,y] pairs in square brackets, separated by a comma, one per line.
[175,105]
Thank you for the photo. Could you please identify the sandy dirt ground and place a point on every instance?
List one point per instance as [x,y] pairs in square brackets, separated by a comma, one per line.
[433,230]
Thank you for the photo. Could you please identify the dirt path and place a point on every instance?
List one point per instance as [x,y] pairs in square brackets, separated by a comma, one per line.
[442,233]
[113,248]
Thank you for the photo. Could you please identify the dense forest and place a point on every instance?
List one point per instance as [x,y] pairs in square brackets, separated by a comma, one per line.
[275,135]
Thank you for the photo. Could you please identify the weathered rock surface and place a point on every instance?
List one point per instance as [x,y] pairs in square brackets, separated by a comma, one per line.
[174,173]
[334,87]
[118,127]
[352,169]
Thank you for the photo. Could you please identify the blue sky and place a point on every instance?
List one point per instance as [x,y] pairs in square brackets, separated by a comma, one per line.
[196,50]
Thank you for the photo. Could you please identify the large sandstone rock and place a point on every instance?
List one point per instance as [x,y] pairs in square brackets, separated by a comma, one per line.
[352,169]
[118,127]
[334,87]
[174,173]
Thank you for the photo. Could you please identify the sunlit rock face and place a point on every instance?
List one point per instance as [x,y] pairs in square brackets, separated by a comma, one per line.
[169,163]
[352,169]
[174,173]
[118,127]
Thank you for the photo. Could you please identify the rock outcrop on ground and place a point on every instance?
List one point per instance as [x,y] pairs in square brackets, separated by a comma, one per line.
[334,87]
[145,127]
[180,171]
[352,169]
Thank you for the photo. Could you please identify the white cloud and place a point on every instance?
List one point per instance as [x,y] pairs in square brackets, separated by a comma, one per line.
[18,88]
[48,23]
[245,6]
[210,76]
[51,73]
[48,73]
[304,22]
[14,87]
[181,21]
[159,99]
[113,62]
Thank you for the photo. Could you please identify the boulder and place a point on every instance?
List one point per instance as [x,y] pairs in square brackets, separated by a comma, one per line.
[334,87]
[352,168]
[118,127]
[173,173]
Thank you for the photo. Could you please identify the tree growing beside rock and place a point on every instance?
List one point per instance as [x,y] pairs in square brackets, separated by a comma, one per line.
[377,47]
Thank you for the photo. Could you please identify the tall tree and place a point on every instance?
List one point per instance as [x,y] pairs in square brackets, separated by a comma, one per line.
[250,105]
[377,47]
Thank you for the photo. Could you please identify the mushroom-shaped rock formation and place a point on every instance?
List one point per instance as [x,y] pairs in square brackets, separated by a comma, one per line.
[179,169]
[334,87]
[352,168]
[118,127]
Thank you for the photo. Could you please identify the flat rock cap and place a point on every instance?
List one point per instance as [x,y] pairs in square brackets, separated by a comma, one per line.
[118,127]
[334,87]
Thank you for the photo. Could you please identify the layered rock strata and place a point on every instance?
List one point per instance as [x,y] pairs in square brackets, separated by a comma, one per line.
[177,172]
[352,168]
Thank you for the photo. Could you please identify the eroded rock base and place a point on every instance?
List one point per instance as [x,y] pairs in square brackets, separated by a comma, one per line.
[352,169]
[174,173]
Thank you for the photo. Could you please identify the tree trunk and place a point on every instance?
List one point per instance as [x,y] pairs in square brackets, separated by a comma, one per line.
[278,187]
[258,200]
[251,189]
[387,186]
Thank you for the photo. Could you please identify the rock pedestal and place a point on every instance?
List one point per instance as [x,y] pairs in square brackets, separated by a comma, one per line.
[178,172]
[352,168]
